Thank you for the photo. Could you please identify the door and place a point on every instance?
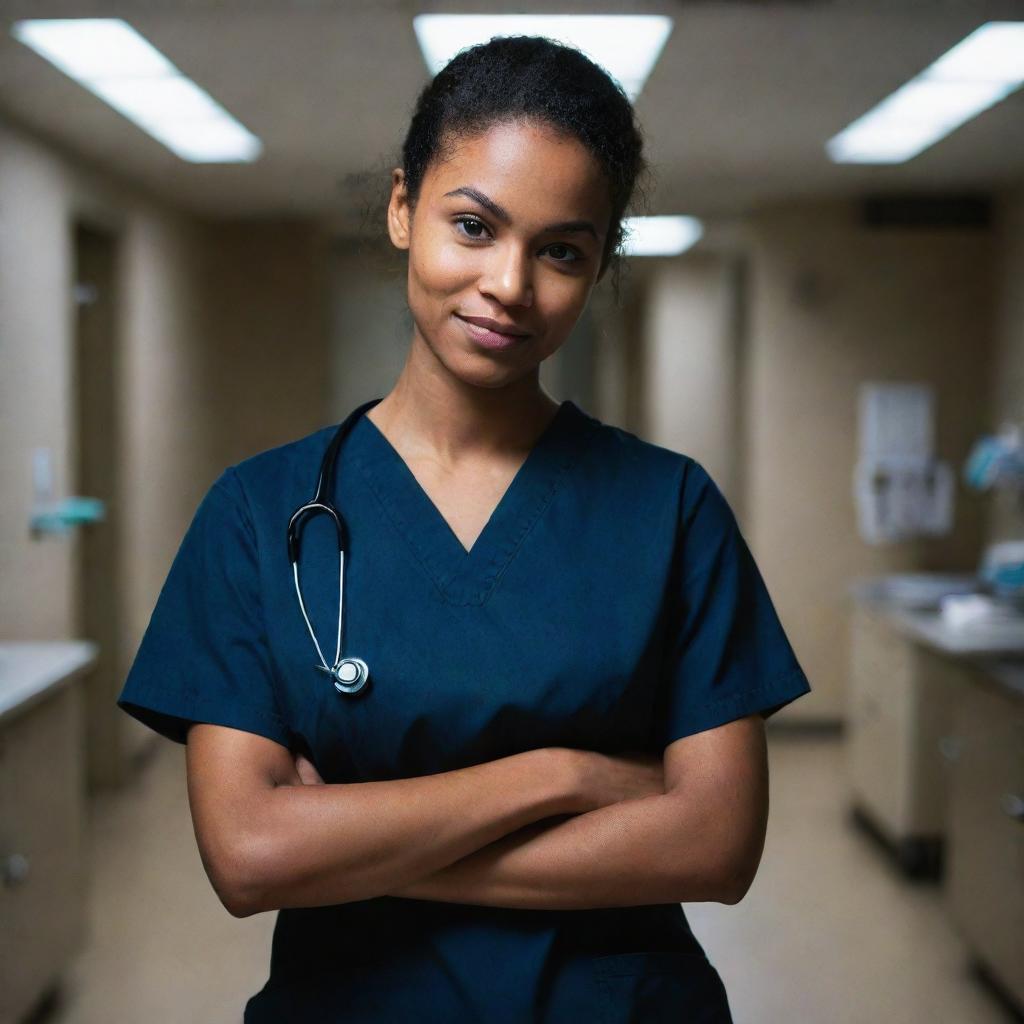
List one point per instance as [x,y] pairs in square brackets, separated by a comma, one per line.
[96,455]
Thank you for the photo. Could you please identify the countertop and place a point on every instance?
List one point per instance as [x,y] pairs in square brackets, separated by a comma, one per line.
[996,648]
[31,670]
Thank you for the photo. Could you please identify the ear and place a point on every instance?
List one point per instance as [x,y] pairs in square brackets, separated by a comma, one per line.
[398,211]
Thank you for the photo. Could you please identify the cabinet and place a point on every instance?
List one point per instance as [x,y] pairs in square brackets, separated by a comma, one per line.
[43,859]
[898,713]
[984,879]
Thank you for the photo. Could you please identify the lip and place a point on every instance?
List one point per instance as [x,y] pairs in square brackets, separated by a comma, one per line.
[482,330]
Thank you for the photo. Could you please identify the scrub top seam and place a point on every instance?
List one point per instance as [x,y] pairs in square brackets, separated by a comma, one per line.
[440,580]
[764,687]
[504,557]
[733,704]
[501,562]
[466,588]
[209,711]
[275,670]
[398,522]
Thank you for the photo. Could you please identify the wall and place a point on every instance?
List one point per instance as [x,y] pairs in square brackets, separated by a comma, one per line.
[42,195]
[1006,509]
[832,304]
[223,343]
[691,362]
[370,323]
[263,374]
[752,364]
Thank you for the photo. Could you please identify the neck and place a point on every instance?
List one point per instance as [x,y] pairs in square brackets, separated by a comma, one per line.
[431,410]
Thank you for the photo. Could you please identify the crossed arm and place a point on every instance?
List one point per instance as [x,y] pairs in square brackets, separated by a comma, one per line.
[515,832]
[701,840]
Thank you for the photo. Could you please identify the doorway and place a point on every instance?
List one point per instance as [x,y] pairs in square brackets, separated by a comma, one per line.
[96,457]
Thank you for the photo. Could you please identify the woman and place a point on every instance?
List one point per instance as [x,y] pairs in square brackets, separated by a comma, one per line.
[570,649]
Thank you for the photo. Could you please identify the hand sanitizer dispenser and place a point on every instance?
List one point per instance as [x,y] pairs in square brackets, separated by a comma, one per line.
[53,516]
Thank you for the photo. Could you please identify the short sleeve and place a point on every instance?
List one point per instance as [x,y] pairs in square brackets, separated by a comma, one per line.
[204,656]
[727,654]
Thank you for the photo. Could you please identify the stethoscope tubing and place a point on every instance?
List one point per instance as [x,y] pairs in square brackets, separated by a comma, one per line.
[350,674]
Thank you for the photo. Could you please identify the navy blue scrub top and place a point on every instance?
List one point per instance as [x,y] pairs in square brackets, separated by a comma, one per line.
[610,603]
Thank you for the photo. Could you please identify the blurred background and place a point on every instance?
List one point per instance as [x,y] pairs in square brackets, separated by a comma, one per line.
[834,327]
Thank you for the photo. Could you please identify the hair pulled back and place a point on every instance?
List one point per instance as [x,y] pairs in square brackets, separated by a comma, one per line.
[518,78]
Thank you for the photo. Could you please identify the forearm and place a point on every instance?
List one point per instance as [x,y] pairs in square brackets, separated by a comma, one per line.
[325,844]
[658,849]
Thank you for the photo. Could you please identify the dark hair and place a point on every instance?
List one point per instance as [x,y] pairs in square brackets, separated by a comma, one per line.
[517,78]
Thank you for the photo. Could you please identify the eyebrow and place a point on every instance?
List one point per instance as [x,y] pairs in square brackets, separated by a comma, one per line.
[502,214]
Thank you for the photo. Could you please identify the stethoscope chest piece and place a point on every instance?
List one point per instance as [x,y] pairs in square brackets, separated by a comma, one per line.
[350,675]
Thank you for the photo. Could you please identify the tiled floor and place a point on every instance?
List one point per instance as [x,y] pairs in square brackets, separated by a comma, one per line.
[828,934]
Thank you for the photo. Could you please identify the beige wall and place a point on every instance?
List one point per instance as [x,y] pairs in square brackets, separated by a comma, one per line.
[690,364]
[829,303]
[222,332]
[42,195]
[832,304]
[1006,520]
[371,325]
[263,376]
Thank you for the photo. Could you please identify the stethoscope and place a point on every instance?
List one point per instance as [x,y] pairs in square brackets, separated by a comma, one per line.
[350,675]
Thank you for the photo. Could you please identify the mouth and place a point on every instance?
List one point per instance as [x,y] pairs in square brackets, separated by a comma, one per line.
[482,331]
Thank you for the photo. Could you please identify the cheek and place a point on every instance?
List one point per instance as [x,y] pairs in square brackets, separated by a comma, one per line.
[439,266]
[561,297]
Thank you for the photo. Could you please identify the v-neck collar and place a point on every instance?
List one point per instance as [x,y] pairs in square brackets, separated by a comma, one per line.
[461,576]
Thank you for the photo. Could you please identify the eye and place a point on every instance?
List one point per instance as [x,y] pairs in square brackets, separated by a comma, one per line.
[472,222]
[465,222]
[574,256]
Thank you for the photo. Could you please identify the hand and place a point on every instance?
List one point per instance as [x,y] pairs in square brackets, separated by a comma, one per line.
[610,778]
[307,772]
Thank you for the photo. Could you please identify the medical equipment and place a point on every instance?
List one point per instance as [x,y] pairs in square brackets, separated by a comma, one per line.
[350,675]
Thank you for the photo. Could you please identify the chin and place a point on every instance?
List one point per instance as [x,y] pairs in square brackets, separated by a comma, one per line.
[481,371]
[486,376]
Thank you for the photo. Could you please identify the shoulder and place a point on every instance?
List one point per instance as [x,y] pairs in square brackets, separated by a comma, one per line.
[251,480]
[625,454]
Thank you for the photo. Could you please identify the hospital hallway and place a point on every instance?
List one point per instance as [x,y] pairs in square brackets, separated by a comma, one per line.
[785,459]
[826,935]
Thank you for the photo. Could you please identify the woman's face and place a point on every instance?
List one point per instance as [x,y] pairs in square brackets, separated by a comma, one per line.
[511,227]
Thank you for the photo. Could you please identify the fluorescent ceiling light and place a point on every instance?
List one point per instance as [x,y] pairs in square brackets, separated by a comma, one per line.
[974,75]
[660,236]
[222,140]
[993,52]
[115,63]
[627,46]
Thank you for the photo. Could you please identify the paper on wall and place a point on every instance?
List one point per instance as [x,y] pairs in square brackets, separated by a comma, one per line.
[900,490]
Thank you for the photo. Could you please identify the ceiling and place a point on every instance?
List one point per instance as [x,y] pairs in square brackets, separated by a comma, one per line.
[736,113]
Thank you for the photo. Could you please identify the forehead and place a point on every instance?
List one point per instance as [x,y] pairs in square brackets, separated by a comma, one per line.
[533,171]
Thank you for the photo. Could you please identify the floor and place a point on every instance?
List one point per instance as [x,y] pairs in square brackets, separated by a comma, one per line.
[828,933]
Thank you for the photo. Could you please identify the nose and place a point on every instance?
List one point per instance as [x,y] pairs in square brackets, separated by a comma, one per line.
[509,276]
